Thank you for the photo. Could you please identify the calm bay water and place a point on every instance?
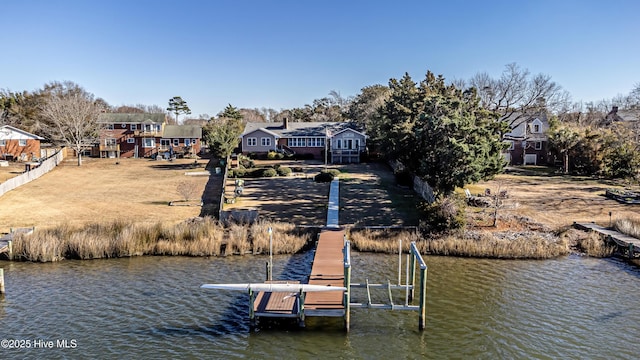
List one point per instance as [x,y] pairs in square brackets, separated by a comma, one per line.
[152,307]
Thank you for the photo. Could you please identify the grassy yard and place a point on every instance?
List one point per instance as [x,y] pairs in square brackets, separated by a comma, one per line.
[556,200]
[368,196]
[101,190]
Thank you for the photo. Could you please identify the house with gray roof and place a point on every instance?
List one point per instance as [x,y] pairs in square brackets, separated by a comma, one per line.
[341,140]
[146,135]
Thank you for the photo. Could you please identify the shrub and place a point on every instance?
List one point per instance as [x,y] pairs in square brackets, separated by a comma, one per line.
[271,155]
[237,173]
[324,177]
[268,172]
[247,163]
[442,215]
[283,171]
[334,172]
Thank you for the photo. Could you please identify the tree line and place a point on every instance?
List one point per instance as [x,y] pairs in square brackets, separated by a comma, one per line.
[449,133]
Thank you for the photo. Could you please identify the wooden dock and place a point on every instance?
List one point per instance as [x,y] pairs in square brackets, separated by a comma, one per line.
[630,244]
[276,304]
[327,269]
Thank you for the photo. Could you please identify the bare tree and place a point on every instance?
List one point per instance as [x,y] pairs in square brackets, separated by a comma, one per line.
[187,189]
[73,119]
[517,95]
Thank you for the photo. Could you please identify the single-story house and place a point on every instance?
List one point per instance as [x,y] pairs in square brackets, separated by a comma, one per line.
[140,135]
[16,144]
[528,141]
[341,140]
[181,139]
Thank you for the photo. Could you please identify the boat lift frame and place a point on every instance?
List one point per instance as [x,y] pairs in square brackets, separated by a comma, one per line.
[409,286]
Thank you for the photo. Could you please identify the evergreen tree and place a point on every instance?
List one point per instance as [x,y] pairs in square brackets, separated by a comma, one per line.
[178,106]
[441,133]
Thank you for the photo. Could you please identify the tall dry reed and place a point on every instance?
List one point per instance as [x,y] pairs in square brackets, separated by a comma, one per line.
[484,245]
[201,237]
[384,241]
[629,227]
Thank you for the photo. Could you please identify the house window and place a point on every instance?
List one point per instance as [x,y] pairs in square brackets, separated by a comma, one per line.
[176,142]
[187,142]
[149,142]
[538,145]
[3,142]
[194,142]
[109,126]
[165,143]
[536,128]
[339,144]
[252,142]
[297,142]
[134,127]
[265,141]
[131,141]
[110,142]
[22,142]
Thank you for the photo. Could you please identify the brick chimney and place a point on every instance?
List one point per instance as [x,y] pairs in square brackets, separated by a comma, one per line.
[285,123]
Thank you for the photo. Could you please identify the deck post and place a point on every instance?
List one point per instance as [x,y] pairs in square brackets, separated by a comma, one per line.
[423,298]
[347,284]
[268,271]
[10,244]
[1,281]
[252,315]
[301,309]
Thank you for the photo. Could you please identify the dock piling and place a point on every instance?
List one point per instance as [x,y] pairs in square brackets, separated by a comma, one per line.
[1,281]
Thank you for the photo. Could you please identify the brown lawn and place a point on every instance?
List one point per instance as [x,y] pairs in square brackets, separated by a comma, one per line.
[137,190]
[368,196]
[557,201]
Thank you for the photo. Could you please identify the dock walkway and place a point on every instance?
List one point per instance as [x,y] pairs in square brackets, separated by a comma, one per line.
[327,270]
[622,240]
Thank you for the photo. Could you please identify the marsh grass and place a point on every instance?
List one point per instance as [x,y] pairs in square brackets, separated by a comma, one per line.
[529,245]
[628,226]
[202,237]
[384,241]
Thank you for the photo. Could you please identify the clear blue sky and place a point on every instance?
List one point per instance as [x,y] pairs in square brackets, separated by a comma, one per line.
[284,54]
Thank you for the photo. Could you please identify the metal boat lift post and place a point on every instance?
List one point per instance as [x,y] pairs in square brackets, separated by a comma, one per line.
[409,286]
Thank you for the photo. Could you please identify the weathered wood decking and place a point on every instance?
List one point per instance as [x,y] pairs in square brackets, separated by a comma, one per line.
[276,304]
[625,241]
[327,269]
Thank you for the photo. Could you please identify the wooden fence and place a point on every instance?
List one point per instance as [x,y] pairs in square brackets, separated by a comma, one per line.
[46,166]
[420,186]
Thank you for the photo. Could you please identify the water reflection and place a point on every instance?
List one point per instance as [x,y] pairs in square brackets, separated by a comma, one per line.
[572,307]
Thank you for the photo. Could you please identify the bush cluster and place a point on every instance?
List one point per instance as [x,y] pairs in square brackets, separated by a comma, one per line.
[442,215]
[326,175]
[283,171]
[273,155]
[259,172]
